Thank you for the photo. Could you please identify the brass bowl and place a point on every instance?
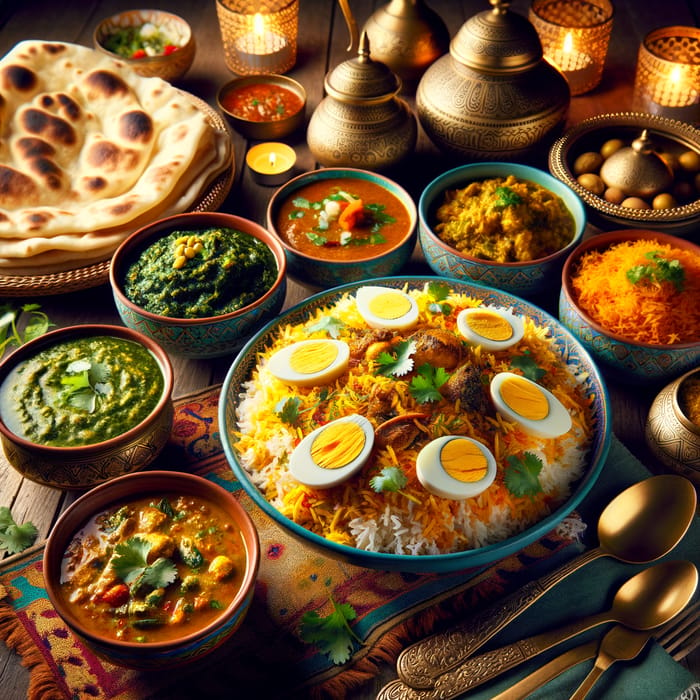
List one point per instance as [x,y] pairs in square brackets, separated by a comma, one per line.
[670,434]
[668,136]
[264,130]
[169,67]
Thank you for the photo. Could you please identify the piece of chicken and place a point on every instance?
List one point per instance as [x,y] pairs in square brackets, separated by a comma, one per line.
[438,348]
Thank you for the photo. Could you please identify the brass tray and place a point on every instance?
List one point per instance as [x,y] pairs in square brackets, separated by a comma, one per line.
[97,273]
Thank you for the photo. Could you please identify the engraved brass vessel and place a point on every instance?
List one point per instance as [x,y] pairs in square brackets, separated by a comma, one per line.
[493,96]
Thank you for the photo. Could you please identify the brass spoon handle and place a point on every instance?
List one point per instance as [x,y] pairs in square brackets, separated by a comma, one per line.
[421,663]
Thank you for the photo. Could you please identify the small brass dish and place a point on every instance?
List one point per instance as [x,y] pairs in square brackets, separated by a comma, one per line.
[669,137]
[670,434]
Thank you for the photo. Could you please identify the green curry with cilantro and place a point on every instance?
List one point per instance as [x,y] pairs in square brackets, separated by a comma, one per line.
[153,568]
[81,391]
[343,219]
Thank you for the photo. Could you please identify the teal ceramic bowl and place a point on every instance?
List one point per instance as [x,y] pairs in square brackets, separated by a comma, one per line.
[188,647]
[621,358]
[566,345]
[322,271]
[521,278]
[208,337]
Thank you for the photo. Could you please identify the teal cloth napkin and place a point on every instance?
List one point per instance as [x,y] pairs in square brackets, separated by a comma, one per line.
[653,675]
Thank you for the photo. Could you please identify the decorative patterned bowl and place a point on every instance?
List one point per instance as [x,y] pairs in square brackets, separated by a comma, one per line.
[86,466]
[623,359]
[522,278]
[168,66]
[183,649]
[323,272]
[571,352]
[670,434]
[213,336]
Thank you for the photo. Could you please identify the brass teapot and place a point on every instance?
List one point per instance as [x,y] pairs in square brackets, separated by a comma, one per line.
[493,96]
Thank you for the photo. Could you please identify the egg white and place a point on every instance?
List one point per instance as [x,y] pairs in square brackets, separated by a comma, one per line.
[364,297]
[557,422]
[513,320]
[305,470]
[279,364]
[431,472]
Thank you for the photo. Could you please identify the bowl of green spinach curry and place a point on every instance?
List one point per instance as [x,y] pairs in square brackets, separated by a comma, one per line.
[84,404]
[201,283]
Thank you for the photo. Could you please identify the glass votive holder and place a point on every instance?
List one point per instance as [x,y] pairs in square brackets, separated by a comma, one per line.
[575,35]
[667,81]
[259,36]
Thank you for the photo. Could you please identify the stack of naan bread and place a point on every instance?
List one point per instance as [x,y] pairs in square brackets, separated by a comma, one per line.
[89,152]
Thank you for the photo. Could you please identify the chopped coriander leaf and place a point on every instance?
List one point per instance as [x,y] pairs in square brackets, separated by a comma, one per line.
[398,363]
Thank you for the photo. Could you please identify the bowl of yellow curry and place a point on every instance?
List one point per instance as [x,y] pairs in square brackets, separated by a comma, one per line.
[503,225]
[153,569]
[84,404]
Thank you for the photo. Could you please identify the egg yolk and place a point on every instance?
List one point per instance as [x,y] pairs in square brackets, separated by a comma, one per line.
[338,445]
[313,357]
[490,325]
[464,461]
[525,398]
[389,305]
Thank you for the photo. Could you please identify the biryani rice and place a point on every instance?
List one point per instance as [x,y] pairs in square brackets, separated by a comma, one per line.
[412,521]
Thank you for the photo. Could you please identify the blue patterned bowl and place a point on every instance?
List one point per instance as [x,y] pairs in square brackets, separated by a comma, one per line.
[212,336]
[188,646]
[524,278]
[621,358]
[323,272]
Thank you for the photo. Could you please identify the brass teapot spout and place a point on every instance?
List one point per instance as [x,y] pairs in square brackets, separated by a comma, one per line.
[352,25]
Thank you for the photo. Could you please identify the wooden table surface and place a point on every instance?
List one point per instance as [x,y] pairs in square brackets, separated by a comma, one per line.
[322,44]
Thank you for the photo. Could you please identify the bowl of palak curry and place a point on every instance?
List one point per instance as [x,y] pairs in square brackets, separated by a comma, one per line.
[84,404]
[199,283]
[153,569]
[503,225]
[340,225]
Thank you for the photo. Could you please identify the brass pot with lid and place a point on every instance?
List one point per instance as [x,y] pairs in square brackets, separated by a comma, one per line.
[493,96]
[361,122]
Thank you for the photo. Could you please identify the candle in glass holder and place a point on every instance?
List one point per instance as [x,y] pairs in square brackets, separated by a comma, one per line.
[263,50]
[577,66]
[271,163]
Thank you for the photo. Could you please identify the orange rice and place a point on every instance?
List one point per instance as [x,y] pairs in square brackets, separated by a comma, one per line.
[413,521]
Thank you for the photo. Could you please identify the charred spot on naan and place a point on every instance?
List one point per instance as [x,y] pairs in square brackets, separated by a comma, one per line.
[107,156]
[16,188]
[18,78]
[54,129]
[94,184]
[63,104]
[105,83]
[136,126]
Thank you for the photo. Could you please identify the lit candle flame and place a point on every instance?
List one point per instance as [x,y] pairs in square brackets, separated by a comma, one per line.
[568,43]
[258,26]
[272,158]
[675,76]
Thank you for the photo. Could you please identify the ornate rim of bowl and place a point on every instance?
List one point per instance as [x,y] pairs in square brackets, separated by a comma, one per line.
[479,171]
[573,351]
[81,451]
[151,65]
[141,483]
[140,239]
[683,133]
[603,240]
[295,183]
[264,129]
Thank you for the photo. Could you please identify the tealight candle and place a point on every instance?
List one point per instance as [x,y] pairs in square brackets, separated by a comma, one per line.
[262,50]
[271,163]
[578,67]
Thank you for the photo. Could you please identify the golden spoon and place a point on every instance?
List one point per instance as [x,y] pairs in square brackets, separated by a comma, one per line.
[646,600]
[640,525]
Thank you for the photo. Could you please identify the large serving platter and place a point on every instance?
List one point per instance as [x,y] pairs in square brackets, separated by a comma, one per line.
[97,273]
[568,348]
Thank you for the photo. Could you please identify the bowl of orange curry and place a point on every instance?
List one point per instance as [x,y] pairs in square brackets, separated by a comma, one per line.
[340,225]
[153,569]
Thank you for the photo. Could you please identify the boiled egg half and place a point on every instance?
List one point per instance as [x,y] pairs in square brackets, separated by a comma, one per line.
[383,307]
[525,402]
[332,453]
[456,467]
[310,362]
[492,327]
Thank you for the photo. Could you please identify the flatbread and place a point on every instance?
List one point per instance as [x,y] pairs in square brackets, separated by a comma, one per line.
[89,151]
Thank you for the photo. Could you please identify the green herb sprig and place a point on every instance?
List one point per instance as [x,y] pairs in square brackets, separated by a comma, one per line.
[658,270]
[11,320]
[522,476]
[15,538]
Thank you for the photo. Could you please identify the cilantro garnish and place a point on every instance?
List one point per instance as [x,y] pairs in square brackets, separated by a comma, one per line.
[375,238]
[379,217]
[329,324]
[505,197]
[391,479]
[438,292]
[659,270]
[130,564]
[425,387]
[397,363]
[332,634]
[85,381]
[316,239]
[15,538]
[527,365]
[522,474]
[287,410]
[37,323]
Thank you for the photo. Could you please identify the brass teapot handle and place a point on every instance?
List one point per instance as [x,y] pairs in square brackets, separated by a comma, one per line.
[352,24]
